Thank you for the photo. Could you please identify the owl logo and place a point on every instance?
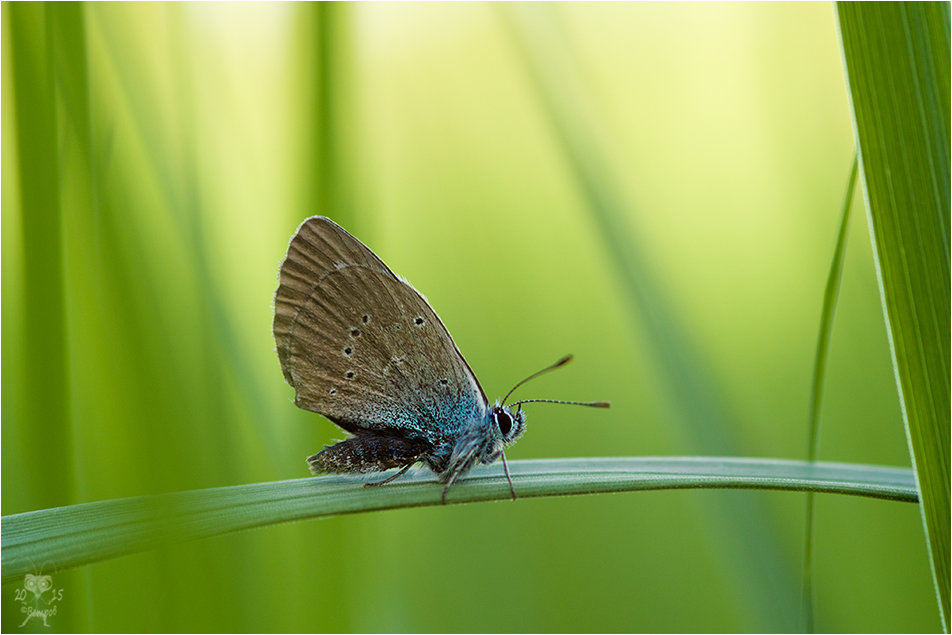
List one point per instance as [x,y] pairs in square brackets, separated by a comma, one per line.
[40,604]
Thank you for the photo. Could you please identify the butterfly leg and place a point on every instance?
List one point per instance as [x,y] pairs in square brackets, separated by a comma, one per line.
[402,471]
[458,470]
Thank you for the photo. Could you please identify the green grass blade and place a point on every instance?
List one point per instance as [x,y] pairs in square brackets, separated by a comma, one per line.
[326,31]
[45,424]
[830,296]
[897,64]
[80,534]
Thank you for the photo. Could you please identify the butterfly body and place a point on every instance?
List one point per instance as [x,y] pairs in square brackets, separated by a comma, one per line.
[362,347]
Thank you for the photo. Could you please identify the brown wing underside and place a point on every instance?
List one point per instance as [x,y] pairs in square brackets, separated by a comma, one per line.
[361,346]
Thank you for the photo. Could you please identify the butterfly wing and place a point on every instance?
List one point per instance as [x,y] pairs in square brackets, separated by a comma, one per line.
[362,347]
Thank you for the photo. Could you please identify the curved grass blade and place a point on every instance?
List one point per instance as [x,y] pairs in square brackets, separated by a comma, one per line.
[830,296]
[80,534]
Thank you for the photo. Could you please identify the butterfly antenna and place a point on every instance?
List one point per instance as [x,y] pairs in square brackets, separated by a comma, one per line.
[562,362]
[590,404]
[505,467]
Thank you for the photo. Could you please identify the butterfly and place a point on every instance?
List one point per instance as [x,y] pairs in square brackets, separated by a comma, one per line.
[362,347]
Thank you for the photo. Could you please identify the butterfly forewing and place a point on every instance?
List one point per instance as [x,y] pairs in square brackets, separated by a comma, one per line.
[361,346]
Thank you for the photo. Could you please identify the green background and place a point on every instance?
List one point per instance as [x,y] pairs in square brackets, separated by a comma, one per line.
[157,158]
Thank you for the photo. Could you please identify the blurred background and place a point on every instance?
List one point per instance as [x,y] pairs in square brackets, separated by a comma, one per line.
[652,187]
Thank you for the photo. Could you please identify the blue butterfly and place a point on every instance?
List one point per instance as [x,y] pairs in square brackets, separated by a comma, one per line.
[362,347]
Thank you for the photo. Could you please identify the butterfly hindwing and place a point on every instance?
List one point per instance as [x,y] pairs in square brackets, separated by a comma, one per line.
[362,347]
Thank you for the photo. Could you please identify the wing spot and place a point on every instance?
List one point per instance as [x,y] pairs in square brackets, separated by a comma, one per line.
[348,351]
[397,361]
[349,374]
[366,319]
[419,321]
[444,382]
[355,332]
[333,391]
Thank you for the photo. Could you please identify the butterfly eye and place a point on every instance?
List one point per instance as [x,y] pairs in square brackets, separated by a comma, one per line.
[504,421]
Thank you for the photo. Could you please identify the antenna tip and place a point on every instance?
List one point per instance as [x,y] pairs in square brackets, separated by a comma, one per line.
[565,360]
[601,404]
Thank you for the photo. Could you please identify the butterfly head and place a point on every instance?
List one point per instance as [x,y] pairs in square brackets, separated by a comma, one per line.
[508,424]
[505,425]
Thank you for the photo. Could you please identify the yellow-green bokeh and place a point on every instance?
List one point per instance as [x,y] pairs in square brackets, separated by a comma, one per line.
[187,141]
